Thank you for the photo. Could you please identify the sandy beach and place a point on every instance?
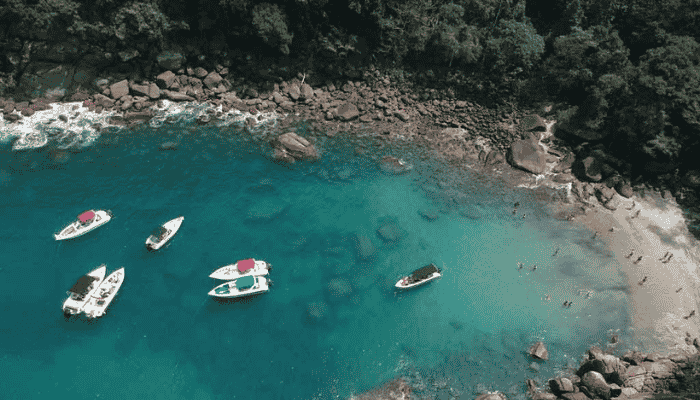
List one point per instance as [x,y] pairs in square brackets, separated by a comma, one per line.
[650,226]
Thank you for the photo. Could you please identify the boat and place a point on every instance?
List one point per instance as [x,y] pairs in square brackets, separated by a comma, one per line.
[242,287]
[419,277]
[241,268]
[100,298]
[81,291]
[87,222]
[164,233]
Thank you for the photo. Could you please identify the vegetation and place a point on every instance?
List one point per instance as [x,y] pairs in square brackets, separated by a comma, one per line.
[627,70]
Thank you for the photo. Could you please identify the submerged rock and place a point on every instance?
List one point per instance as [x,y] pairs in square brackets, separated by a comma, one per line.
[317,310]
[292,145]
[363,247]
[539,351]
[339,287]
[428,215]
[390,232]
[394,165]
[266,210]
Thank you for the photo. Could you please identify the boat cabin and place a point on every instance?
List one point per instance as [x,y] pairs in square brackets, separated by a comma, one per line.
[423,273]
[245,283]
[159,234]
[82,287]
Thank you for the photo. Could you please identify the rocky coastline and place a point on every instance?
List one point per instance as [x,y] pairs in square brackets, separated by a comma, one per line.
[519,143]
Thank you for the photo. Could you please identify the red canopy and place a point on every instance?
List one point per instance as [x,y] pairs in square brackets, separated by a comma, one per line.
[86,216]
[245,265]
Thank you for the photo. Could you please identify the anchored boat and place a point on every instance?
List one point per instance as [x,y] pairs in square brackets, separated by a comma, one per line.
[81,291]
[419,277]
[241,268]
[105,293]
[242,287]
[87,222]
[163,234]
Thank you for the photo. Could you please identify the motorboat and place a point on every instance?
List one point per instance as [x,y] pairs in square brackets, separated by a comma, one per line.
[87,222]
[242,287]
[163,234]
[419,277]
[81,291]
[241,268]
[105,293]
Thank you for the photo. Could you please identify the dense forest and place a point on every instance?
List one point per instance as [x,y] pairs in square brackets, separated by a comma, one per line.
[625,73]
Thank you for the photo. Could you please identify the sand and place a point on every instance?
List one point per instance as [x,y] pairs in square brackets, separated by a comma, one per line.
[658,310]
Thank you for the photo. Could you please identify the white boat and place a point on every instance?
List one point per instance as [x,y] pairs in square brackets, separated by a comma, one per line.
[241,268]
[87,221]
[80,293]
[163,234]
[241,287]
[419,277]
[100,298]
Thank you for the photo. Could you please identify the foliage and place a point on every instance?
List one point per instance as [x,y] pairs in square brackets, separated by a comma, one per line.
[514,45]
[271,25]
[141,20]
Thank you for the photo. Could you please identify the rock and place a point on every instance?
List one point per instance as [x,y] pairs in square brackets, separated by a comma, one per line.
[636,376]
[495,157]
[295,145]
[363,247]
[471,212]
[278,98]
[119,89]
[692,179]
[305,92]
[200,72]
[153,91]
[492,396]
[539,351]
[624,189]
[127,55]
[103,100]
[347,112]
[390,232]
[339,287]
[168,146]
[565,163]
[177,96]
[596,385]
[166,79]
[563,178]
[394,165]
[212,80]
[140,90]
[144,115]
[402,115]
[528,155]
[592,169]
[607,197]
[266,210]
[544,396]
[575,396]
[294,92]
[428,215]
[561,385]
[317,311]
[12,117]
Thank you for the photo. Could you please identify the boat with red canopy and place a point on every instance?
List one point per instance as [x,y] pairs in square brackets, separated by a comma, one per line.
[87,222]
[247,267]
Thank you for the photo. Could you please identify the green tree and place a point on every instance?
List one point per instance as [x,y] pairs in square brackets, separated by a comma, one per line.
[514,45]
[270,24]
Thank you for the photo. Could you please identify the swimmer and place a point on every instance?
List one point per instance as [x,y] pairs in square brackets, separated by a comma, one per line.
[566,303]
[570,304]
[515,211]
[589,294]
[520,266]
[523,216]
[517,204]
[534,267]
[595,235]
[547,297]
[630,254]
[555,252]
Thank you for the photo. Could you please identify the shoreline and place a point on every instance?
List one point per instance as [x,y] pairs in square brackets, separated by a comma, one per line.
[657,309]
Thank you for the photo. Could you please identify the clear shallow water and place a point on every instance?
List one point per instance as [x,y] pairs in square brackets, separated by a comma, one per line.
[163,338]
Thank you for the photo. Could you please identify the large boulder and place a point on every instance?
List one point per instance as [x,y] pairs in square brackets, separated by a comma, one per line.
[591,169]
[212,80]
[166,79]
[607,197]
[595,384]
[561,385]
[528,155]
[348,111]
[305,92]
[539,351]
[291,144]
[119,89]
[624,189]
[495,157]
[534,123]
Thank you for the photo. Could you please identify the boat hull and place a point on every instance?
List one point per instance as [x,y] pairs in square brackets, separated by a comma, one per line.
[402,285]
[231,272]
[228,290]
[172,226]
[75,229]
[74,306]
[103,296]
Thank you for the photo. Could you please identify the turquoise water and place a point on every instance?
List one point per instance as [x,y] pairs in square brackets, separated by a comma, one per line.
[163,338]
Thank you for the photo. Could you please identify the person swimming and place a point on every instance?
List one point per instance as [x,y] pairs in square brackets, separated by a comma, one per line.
[520,266]
[555,252]
[547,297]
[534,267]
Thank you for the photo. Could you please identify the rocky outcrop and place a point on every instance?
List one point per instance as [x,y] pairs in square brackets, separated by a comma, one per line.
[539,351]
[607,197]
[393,165]
[528,155]
[290,147]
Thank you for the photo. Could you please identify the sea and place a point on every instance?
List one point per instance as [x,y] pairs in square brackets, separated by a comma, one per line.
[339,233]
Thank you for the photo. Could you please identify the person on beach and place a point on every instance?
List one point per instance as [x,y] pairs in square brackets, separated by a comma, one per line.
[633,204]
[589,294]
[630,254]
[595,235]
[689,315]
[668,259]
[612,229]
[637,214]
[665,255]
[555,252]
[679,290]
[643,281]
[638,260]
